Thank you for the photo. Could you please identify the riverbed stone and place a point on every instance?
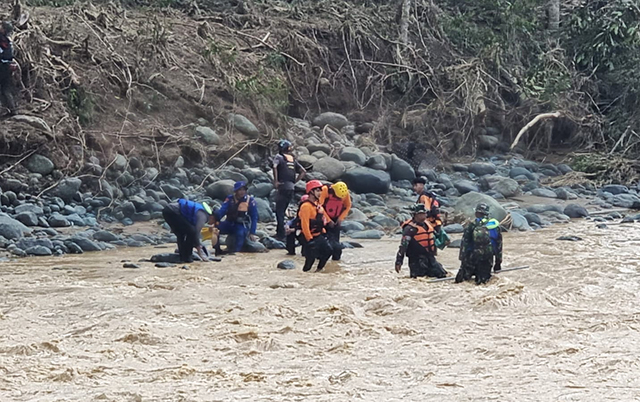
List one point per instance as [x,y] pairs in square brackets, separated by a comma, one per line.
[503,185]
[615,189]
[466,206]
[377,162]
[332,168]
[37,163]
[482,168]
[626,201]
[533,218]
[521,171]
[544,192]
[353,154]
[454,228]
[27,218]
[244,125]
[466,186]
[265,213]
[85,244]
[366,180]
[356,215]
[220,189]
[166,257]
[11,228]
[208,135]
[38,251]
[542,208]
[385,221]
[287,264]
[519,222]
[261,190]
[576,211]
[335,120]
[67,188]
[172,191]
[367,234]
[104,235]
[352,226]
[401,169]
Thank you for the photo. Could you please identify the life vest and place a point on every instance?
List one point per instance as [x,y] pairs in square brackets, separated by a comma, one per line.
[287,171]
[237,211]
[333,206]
[317,223]
[424,236]
[189,209]
[433,207]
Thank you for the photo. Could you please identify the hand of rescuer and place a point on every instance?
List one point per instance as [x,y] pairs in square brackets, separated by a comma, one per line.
[398,268]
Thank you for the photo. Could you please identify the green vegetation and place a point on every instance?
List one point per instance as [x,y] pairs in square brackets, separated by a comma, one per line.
[81,104]
[265,87]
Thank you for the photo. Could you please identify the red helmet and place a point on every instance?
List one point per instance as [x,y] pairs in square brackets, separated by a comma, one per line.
[313,184]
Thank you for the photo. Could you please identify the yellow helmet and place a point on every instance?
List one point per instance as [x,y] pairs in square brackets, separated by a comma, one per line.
[340,189]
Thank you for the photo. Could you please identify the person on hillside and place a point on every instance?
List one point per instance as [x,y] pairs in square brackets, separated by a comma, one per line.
[292,229]
[186,220]
[336,201]
[481,243]
[7,66]
[430,202]
[418,243]
[313,221]
[286,173]
[241,214]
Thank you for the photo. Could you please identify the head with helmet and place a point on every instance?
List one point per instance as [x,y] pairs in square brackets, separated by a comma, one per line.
[210,212]
[284,146]
[340,189]
[482,210]
[314,189]
[240,189]
[419,212]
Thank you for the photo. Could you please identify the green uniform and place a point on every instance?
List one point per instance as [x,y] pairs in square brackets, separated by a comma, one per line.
[481,241]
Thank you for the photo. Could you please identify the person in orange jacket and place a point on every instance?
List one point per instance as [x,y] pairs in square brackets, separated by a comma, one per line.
[336,201]
[313,221]
[430,202]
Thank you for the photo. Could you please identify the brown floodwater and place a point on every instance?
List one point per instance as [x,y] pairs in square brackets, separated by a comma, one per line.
[82,328]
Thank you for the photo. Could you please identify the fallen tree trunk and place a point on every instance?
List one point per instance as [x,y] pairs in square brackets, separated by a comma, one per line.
[532,123]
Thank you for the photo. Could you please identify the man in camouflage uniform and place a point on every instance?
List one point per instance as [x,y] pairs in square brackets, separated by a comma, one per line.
[481,241]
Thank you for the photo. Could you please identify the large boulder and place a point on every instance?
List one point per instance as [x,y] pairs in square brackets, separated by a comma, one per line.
[520,171]
[208,135]
[353,154]
[329,118]
[542,208]
[39,164]
[482,168]
[615,189]
[401,169]
[332,168]
[265,214]
[466,206]
[575,211]
[624,201]
[85,244]
[454,228]
[503,185]
[544,192]
[33,208]
[488,141]
[220,189]
[12,229]
[466,186]
[385,221]
[366,180]
[351,226]
[260,190]
[172,191]
[519,221]
[377,162]
[356,215]
[67,188]
[367,234]
[244,125]
[27,218]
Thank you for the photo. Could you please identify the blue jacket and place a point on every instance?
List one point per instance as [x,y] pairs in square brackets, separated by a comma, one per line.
[189,209]
[234,211]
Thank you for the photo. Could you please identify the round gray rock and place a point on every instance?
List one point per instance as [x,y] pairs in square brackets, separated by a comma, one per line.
[287,264]
[244,125]
[220,189]
[401,169]
[466,206]
[365,180]
[575,211]
[329,118]
[482,168]
[332,168]
[39,164]
[353,154]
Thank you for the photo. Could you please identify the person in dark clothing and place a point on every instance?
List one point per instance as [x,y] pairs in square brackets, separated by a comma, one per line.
[292,230]
[312,224]
[186,220]
[481,242]
[7,66]
[242,217]
[286,173]
[418,243]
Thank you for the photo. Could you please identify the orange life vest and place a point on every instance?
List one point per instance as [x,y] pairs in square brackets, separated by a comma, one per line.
[424,236]
[318,222]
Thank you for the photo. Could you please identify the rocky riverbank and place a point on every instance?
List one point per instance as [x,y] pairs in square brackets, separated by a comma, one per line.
[82,214]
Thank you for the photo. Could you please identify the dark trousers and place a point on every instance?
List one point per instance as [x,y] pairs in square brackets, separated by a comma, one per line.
[184,231]
[317,249]
[236,229]
[425,265]
[333,236]
[283,199]
[6,88]
[478,267]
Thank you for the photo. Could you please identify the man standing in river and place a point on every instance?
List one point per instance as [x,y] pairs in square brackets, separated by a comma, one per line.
[286,173]
[418,243]
[481,241]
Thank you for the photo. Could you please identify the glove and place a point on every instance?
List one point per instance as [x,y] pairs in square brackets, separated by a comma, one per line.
[497,266]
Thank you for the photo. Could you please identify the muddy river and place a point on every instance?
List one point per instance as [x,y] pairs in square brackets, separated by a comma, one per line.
[82,328]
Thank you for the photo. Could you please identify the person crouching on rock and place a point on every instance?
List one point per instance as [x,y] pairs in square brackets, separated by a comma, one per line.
[242,217]
[292,229]
[418,243]
[186,220]
[481,241]
[312,223]
[336,201]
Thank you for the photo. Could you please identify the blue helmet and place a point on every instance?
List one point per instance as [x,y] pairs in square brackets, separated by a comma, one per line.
[284,145]
[238,185]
